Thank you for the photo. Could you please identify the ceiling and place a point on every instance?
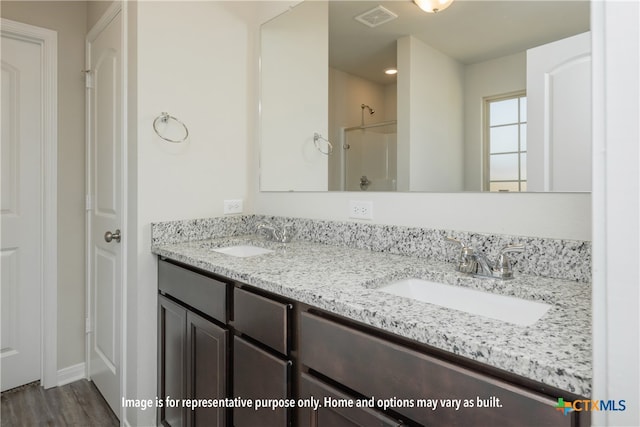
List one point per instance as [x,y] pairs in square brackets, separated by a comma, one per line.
[469,31]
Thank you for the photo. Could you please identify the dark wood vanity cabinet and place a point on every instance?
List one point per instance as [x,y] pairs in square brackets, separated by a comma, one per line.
[206,369]
[375,367]
[172,341]
[192,348]
[336,416]
[219,339]
[259,375]
[262,368]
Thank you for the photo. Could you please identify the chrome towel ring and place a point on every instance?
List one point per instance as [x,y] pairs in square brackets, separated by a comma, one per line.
[317,138]
[164,118]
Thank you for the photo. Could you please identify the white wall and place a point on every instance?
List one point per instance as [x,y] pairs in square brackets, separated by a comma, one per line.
[616,209]
[69,20]
[553,215]
[489,78]
[200,72]
[430,133]
[195,74]
[129,369]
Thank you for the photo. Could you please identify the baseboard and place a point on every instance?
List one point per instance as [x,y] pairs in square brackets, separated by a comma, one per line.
[71,373]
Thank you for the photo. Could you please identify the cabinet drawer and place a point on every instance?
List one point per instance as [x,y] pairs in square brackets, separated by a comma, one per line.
[258,375]
[262,319]
[327,416]
[375,367]
[200,292]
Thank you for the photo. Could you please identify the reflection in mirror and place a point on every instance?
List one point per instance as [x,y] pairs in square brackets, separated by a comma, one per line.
[293,100]
[428,127]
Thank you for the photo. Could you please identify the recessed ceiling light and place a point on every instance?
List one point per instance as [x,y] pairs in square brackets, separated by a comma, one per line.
[433,6]
[391,71]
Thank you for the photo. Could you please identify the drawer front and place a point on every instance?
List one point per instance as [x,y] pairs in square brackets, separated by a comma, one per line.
[262,319]
[258,375]
[200,292]
[327,416]
[375,367]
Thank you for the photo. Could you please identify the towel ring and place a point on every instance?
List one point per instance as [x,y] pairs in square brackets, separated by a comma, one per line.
[317,137]
[164,118]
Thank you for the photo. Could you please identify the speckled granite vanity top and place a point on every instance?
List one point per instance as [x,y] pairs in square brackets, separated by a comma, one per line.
[556,350]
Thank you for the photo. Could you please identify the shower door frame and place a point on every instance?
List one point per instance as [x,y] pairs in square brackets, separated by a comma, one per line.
[345,147]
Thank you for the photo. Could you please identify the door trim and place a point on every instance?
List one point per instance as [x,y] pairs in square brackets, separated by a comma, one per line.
[48,41]
[113,10]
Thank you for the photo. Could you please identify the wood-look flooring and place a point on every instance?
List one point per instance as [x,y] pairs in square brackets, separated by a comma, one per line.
[76,404]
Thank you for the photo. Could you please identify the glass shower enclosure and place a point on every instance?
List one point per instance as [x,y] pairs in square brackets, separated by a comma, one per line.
[370,157]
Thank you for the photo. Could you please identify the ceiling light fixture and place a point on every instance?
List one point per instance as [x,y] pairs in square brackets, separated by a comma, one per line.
[433,6]
[391,71]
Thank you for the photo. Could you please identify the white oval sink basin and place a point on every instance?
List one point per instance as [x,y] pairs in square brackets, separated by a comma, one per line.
[243,251]
[501,307]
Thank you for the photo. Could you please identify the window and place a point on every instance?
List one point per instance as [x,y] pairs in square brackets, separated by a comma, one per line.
[506,148]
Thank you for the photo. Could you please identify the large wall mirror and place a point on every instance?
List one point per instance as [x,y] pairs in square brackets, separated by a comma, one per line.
[488,96]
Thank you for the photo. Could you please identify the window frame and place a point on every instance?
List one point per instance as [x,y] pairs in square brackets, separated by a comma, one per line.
[486,139]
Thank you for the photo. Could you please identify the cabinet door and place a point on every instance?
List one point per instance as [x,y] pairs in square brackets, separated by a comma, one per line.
[259,375]
[206,369]
[327,416]
[171,360]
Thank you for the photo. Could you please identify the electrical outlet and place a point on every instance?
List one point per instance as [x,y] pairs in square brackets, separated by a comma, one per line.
[232,206]
[360,210]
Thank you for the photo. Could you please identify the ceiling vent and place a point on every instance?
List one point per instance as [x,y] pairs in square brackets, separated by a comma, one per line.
[376,16]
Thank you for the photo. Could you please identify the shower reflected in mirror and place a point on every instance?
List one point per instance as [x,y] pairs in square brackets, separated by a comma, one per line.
[369,156]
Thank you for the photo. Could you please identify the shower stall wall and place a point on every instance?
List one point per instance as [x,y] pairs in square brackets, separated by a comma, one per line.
[370,157]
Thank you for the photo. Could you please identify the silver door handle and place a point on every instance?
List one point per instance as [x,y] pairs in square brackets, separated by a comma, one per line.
[109,236]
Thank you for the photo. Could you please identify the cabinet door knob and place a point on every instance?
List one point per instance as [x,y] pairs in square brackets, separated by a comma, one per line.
[109,236]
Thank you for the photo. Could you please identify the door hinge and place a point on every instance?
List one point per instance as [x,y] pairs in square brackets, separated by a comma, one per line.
[88,202]
[88,79]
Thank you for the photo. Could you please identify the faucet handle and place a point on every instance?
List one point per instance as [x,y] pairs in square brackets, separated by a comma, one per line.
[268,229]
[466,260]
[288,231]
[503,267]
[464,250]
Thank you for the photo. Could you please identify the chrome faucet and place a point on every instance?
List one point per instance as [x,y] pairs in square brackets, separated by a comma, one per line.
[477,264]
[281,234]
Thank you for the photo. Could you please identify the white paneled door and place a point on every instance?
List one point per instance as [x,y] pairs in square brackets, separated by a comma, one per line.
[559,115]
[106,193]
[21,170]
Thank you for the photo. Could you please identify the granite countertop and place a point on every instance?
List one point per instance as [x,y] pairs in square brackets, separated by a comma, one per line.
[556,350]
